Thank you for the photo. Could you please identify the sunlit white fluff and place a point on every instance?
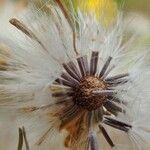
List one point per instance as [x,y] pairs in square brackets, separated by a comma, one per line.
[31,71]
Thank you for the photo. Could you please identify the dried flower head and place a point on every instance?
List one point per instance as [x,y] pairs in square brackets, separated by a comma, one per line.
[70,81]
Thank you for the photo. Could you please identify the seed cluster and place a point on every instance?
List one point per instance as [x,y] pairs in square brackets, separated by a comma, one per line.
[84,96]
[90,92]
[89,88]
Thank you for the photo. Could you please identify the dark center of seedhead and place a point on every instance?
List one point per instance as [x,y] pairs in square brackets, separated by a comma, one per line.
[87,87]
[84,95]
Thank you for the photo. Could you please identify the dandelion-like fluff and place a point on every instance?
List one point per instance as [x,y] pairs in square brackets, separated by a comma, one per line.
[74,75]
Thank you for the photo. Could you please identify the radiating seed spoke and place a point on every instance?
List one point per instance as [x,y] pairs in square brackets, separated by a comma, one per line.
[93,142]
[72,70]
[107,63]
[64,82]
[117,82]
[98,114]
[117,122]
[19,25]
[34,108]
[69,78]
[94,62]
[25,138]
[83,65]
[62,94]
[104,92]
[112,106]
[107,72]
[73,66]
[22,139]
[114,99]
[20,142]
[122,128]
[117,77]
[105,134]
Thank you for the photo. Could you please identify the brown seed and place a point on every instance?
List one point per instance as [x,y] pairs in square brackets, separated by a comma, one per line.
[83,95]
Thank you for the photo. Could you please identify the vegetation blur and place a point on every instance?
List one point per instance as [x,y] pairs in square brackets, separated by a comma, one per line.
[140,6]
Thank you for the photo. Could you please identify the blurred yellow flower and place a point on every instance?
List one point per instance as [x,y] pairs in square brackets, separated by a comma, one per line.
[105,10]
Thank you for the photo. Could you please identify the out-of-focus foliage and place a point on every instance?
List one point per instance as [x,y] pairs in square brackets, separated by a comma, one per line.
[105,10]
[139,6]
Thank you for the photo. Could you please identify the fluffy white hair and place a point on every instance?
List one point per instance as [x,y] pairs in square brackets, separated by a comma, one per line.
[32,67]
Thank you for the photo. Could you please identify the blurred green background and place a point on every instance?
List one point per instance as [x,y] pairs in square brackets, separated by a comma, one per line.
[140,6]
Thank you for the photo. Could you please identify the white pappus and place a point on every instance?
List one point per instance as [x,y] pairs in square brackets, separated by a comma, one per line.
[72,84]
